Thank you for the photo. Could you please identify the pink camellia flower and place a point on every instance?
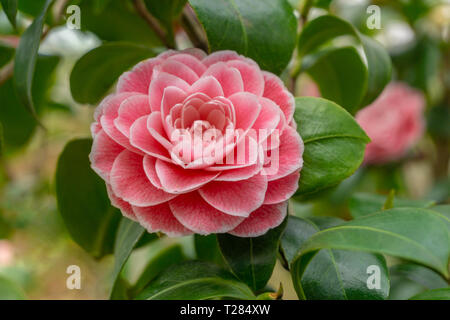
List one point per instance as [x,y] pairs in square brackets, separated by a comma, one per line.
[191,143]
[394,122]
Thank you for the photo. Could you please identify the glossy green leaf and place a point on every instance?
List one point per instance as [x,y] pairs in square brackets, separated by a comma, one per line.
[128,235]
[362,204]
[253,263]
[18,124]
[341,76]
[162,261]
[83,201]
[334,143]
[195,280]
[116,20]
[166,12]
[26,57]
[207,248]
[426,277]
[265,32]
[436,294]
[414,234]
[10,8]
[323,29]
[95,72]
[9,290]
[332,274]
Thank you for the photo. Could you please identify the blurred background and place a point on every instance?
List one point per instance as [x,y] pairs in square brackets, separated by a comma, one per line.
[35,247]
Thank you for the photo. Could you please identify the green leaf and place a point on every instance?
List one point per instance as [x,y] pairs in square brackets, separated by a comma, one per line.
[252,259]
[414,234]
[167,12]
[95,72]
[332,274]
[362,204]
[325,28]
[83,201]
[207,248]
[26,57]
[341,76]
[18,123]
[116,20]
[334,143]
[265,32]
[10,291]
[195,280]
[426,277]
[162,261]
[128,235]
[10,8]
[436,294]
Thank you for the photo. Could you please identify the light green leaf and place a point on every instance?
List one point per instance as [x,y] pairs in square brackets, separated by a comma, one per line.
[128,235]
[83,201]
[25,61]
[95,72]
[255,259]
[195,280]
[265,32]
[10,291]
[334,143]
[436,294]
[332,274]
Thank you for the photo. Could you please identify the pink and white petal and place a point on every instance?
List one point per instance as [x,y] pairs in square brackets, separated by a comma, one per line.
[275,90]
[129,182]
[138,79]
[229,78]
[156,129]
[261,220]
[268,119]
[220,56]
[191,61]
[103,153]
[207,85]
[171,97]
[129,111]
[247,108]
[175,179]
[282,189]
[141,139]
[160,218]
[288,157]
[195,52]
[120,204]
[197,215]
[150,171]
[160,82]
[240,173]
[179,70]
[238,198]
[251,76]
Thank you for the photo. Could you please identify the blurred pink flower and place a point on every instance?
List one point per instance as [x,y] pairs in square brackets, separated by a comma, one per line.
[394,122]
[147,136]
[6,253]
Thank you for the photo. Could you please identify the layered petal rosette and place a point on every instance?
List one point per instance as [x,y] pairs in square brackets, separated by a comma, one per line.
[191,143]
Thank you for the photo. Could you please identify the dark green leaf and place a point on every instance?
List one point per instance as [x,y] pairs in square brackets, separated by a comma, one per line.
[10,291]
[18,124]
[95,72]
[325,28]
[362,204]
[341,76]
[195,280]
[265,32]
[332,274]
[26,57]
[128,235]
[252,259]
[83,201]
[207,248]
[334,143]
[436,294]
[10,8]
[163,260]
[414,234]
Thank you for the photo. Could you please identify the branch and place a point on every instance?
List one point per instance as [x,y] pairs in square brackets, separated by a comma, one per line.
[192,32]
[152,22]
